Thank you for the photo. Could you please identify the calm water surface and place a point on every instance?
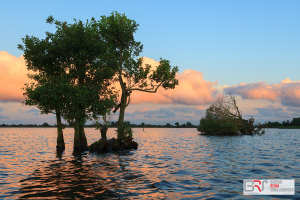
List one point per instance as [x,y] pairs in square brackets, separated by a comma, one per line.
[169,164]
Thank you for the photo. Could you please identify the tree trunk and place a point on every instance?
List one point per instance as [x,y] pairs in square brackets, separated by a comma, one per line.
[60,137]
[83,141]
[80,142]
[77,146]
[103,132]
[122,111]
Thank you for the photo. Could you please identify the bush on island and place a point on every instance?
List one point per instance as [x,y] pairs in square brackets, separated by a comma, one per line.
[211,124]
[124,141]
[224,117]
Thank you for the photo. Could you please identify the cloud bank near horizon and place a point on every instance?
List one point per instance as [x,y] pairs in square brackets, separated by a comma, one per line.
[192,88]
[182,113]
[193,91]
[287,92]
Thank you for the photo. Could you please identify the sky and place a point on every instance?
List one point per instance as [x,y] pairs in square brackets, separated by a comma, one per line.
[249,48]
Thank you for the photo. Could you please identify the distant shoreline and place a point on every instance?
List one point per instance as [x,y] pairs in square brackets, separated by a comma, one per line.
[84,127]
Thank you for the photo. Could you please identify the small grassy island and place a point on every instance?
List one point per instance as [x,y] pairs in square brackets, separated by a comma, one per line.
[123,142]
[224,118]
[112,145]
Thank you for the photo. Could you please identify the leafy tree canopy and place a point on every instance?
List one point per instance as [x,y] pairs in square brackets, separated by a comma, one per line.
[118,31]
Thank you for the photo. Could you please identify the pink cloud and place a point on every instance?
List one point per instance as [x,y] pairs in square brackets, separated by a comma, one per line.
[287,91]
[192,89]
[255,91]
[200,107]
[13,75]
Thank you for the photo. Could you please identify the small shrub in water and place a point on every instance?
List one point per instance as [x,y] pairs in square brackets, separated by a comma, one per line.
[124,131]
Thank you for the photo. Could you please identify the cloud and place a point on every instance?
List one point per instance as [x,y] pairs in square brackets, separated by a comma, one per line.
[272,111]
[290,108]
[255,91]
[167,113]
[160,113]
[13,75]
[290,94]
[192,89]
[287,92]
[1,116]
[33,110]
[9,122]
[295,111]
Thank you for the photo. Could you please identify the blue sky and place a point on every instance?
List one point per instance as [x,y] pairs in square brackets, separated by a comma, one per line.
[229,41]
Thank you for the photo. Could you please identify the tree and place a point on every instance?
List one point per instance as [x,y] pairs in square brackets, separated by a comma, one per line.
[212,124]
[168,124]
[226,109]
[118,31]
[45,124]
[283,123]
[224,117]
[48,90]
[74,70]
[189,124]
[273,124]
[49,95]
[177,124]
[104,125]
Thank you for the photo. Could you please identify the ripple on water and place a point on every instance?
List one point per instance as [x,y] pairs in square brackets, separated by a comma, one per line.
[170,163]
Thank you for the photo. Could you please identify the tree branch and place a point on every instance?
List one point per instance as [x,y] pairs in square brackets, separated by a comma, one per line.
[128,99]
[147,90]
[117,108]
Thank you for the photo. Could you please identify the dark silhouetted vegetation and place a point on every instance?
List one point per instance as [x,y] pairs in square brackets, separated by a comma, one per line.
[294,124]
[45,124]
[131,75]
[224,117]
[75,67]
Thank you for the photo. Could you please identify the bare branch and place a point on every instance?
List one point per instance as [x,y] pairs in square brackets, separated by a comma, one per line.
[147,90]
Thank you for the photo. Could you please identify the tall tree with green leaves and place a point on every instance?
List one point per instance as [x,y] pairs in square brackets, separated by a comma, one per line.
[118,30]
[76,64]
[48,96]
[47,91]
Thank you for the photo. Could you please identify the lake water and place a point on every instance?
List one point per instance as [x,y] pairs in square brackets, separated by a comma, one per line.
[169,164]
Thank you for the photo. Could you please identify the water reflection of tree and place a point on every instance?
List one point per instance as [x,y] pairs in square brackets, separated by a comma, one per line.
[73,178]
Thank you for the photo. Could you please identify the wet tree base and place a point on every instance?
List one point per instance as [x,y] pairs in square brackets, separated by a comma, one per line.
[113,145]
[60,147]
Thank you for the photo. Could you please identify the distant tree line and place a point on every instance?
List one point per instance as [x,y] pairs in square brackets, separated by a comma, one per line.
[113,124]
[26,125]
[285,124]
[295,122]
